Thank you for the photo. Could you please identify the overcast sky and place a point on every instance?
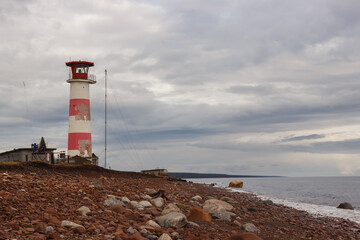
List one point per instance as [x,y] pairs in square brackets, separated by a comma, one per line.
[240,87]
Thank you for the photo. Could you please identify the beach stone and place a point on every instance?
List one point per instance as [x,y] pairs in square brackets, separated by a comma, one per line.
[158,202]
[96,184]
[218,212]
[165,236]
[227,206]
[112,201]
[49,229]
[152,237]
[125,200]
[147,197]
[346,205]
[268,202]
[145,204]
[244,236]
[153,224]
[171,207]
[196,198]
[236,184]
[40,227]
[118,208]
[150,191]
[193,224]
[228,200]
[70,224]
[131,230]
[249,227]
[172,219]
[175,234]
[199,214]
[79,230]
[84,210]
[252,209]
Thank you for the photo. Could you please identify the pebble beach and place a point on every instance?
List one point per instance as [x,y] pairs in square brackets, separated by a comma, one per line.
[40,201]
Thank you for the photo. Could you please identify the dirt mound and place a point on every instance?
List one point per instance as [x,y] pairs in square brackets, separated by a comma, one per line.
[69,170]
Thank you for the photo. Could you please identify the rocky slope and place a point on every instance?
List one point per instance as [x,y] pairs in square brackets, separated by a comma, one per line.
[39,201]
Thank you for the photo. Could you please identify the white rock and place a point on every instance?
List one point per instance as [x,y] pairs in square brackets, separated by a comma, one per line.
[125,200]
[158,202]
[171,207]
[152,223]
[164,236]
[131,230]
[112,201]
[249,227]
[172,219]
[84,210]
[218,212]
[175,234]
[147,197]
[196,198]
[134,203]
[193,224]
[145,204]
[70,224]
[227,206]
[150,191]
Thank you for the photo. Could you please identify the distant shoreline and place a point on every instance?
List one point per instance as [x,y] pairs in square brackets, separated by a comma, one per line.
[213,175]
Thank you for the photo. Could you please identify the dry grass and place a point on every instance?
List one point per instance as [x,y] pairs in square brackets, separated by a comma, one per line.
[10,163]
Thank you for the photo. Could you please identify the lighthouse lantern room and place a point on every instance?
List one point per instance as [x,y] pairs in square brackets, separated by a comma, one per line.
[79,137]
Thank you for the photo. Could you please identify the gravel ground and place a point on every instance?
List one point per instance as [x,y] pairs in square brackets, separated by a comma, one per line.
[36,199]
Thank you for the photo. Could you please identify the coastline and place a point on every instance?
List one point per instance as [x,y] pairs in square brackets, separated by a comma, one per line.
[35,198]
[317,210]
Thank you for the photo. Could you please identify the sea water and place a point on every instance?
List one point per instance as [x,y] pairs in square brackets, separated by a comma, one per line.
[317,195]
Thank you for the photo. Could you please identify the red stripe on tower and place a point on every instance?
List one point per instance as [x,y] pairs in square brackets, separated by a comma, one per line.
[80,108]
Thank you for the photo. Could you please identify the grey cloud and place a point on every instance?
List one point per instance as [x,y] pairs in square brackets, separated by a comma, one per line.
[327,147]
[307,137]
[263,67]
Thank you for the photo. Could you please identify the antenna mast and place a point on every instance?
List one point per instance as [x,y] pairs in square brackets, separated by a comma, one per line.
[105,112]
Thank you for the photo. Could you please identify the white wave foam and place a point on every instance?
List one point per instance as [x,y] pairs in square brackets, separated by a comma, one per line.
[315,210]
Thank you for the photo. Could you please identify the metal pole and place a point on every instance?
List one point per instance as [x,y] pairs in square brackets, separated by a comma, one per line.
[105,112]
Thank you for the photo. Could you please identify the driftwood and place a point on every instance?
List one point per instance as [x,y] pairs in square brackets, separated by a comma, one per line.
[160,193]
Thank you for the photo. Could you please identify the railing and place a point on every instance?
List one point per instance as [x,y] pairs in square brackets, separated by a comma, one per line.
[89,76]
[92,77]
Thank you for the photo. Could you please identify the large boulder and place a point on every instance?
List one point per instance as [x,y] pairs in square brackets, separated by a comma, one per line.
[218,212]
[346,205]
[227,206]
[199,214]
[172,219]
[236,184]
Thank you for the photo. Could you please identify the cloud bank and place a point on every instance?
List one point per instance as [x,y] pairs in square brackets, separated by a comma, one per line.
[240,87]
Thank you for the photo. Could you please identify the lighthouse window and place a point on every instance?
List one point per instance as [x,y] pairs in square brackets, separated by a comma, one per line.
[81,69]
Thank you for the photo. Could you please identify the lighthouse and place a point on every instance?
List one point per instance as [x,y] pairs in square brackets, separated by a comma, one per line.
[79,137]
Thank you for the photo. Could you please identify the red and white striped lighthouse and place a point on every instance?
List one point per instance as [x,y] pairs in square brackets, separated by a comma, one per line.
[79,138]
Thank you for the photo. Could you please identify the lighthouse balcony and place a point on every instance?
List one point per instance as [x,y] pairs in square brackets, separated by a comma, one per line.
[91,78]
